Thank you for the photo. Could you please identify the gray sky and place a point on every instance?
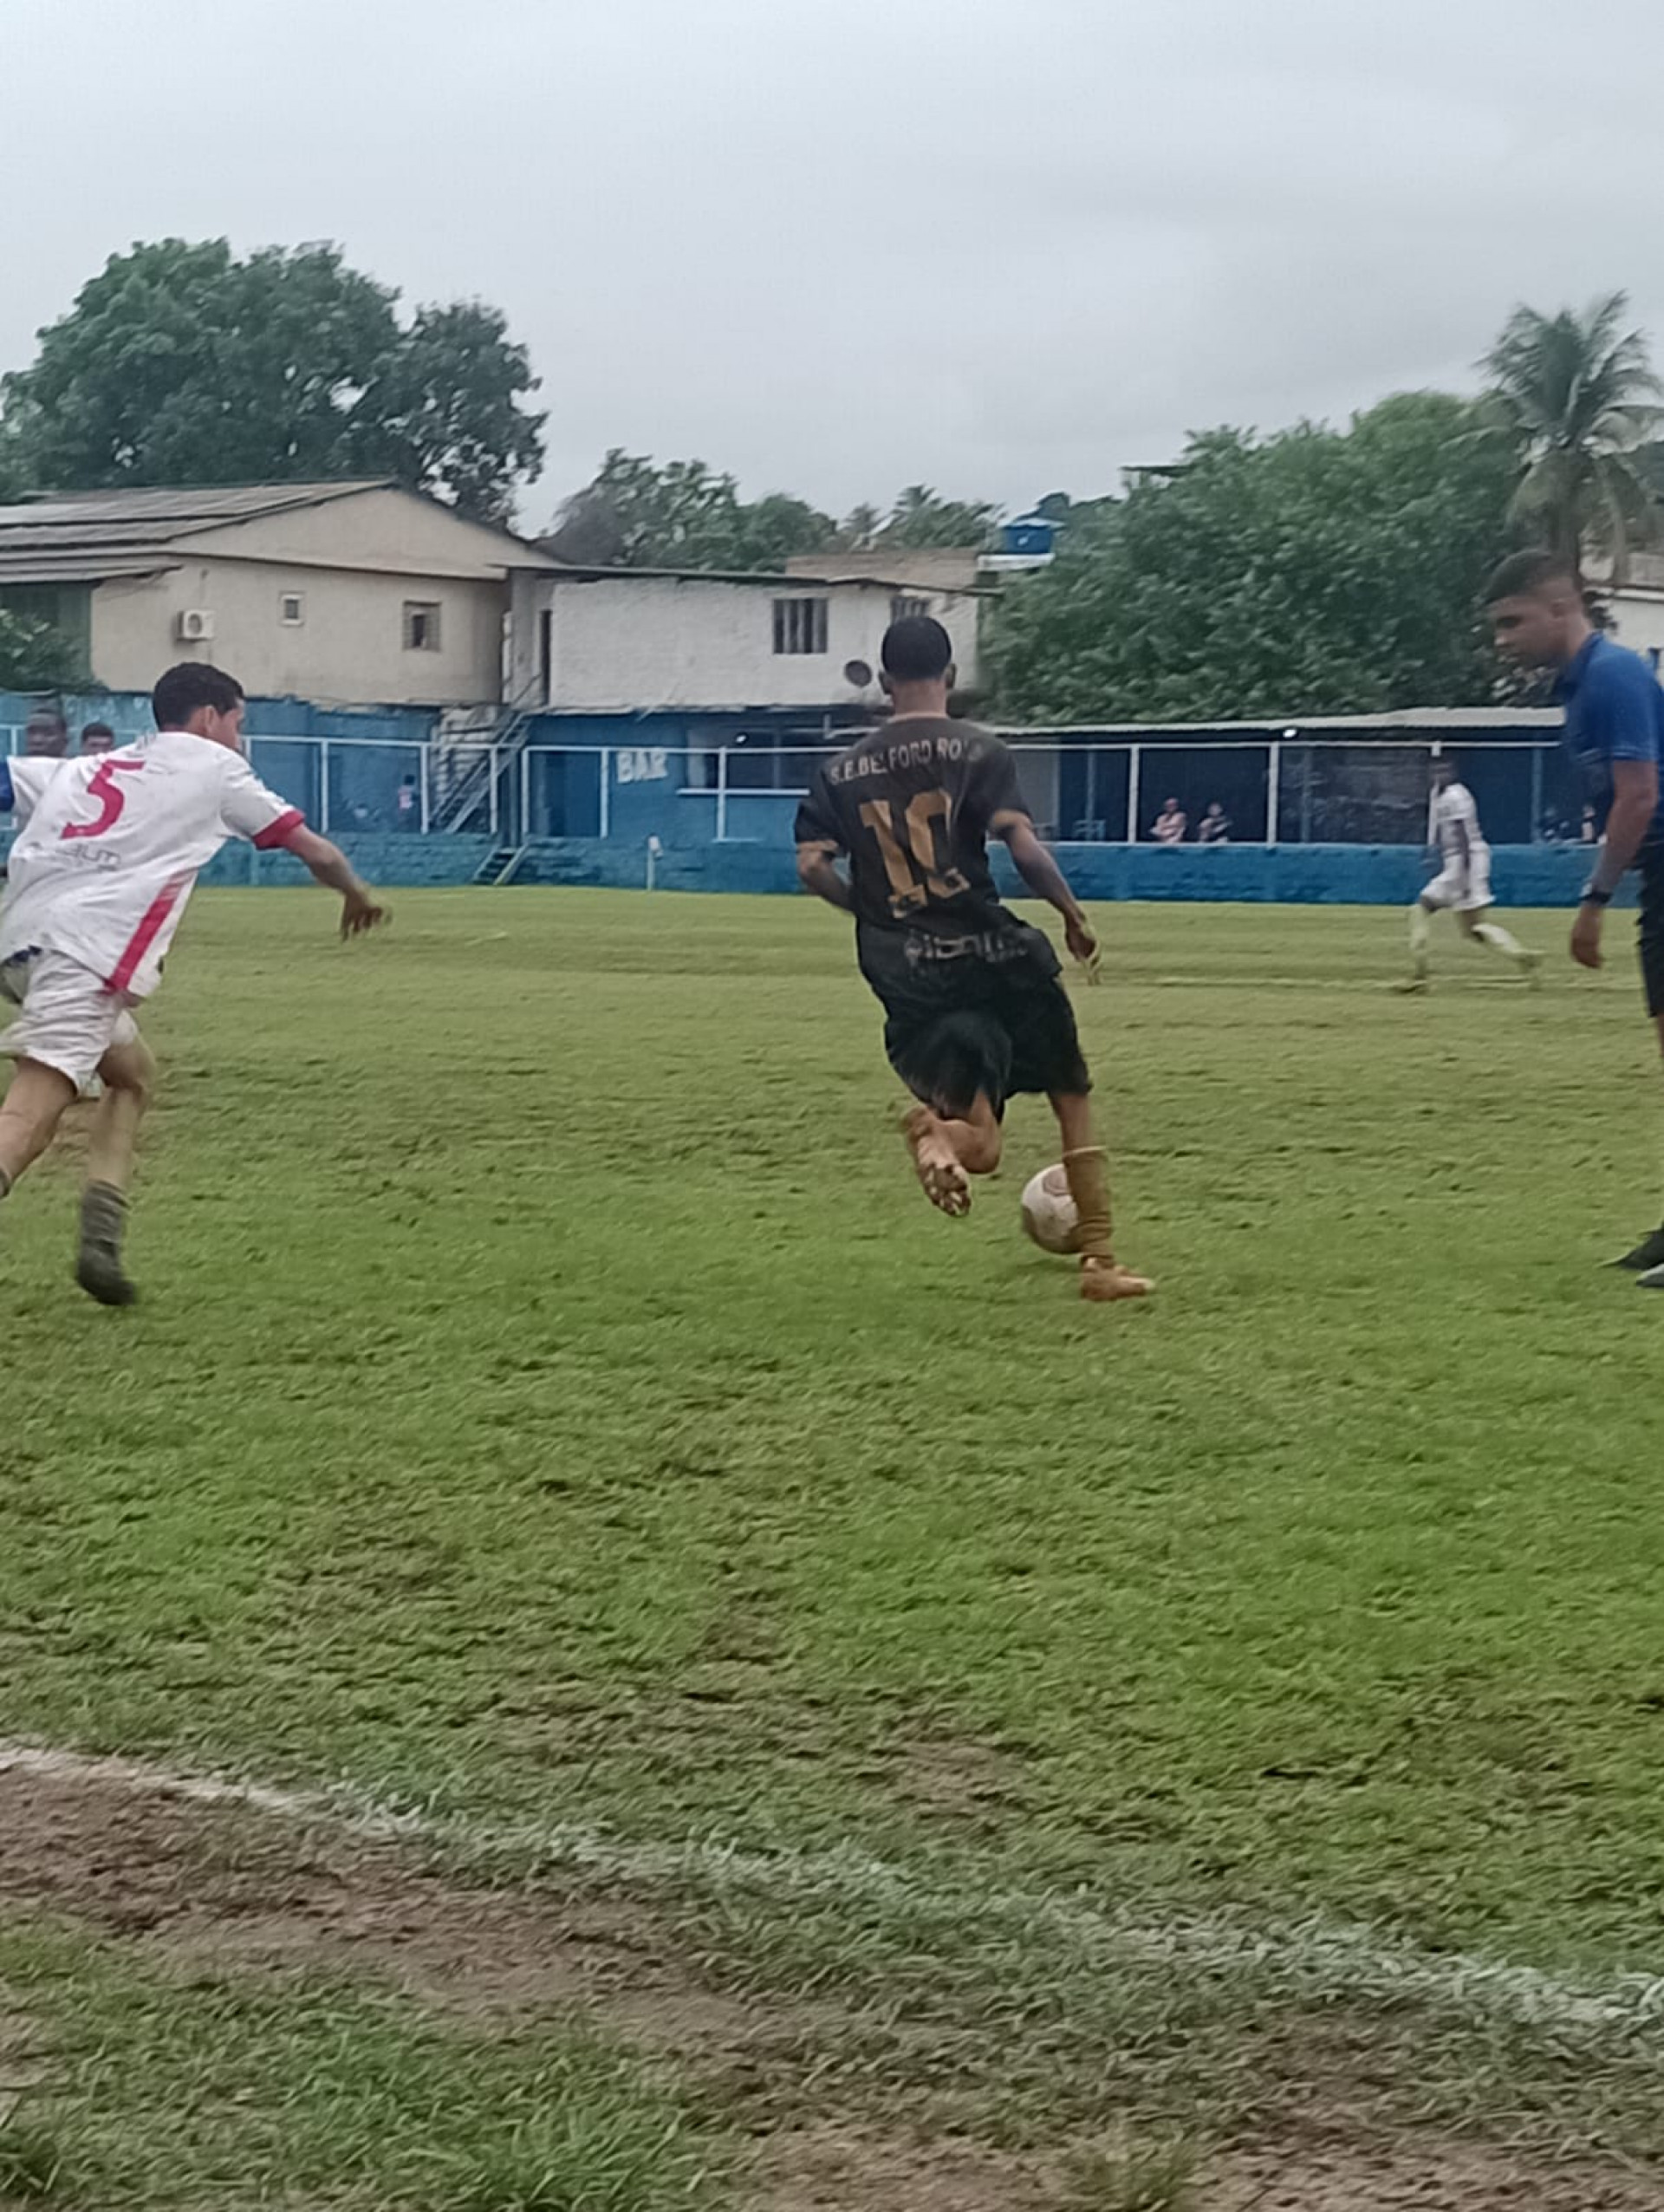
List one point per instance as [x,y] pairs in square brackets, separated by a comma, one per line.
[999,246]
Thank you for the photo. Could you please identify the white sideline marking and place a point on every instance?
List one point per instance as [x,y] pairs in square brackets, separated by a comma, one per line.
[1325,1958]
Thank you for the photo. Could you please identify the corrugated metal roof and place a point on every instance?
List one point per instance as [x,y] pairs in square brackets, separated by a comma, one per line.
[73,564]
[162,510]
[778,579]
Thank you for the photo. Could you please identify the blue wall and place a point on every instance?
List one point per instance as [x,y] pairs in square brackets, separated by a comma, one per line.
[1523,875]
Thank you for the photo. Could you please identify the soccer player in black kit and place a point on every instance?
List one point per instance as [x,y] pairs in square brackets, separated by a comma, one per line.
[975,1009]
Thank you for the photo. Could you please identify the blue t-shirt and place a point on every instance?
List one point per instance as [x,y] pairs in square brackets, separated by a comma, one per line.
[1614,710]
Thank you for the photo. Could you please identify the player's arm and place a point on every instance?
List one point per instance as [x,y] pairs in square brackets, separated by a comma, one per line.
[328,865]
[819,839]
[1039,870]
[818,871]
[1624,718]
[1635,802]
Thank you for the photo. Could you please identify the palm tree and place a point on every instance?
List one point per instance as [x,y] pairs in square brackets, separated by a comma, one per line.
[1579,393]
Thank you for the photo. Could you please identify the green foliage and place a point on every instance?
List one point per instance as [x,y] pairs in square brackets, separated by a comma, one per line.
[1315,571]
[35,655]
[1578,393]
[181,364]
[639,513]
[922,518]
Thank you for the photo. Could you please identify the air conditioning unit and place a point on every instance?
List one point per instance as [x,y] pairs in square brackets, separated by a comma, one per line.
[195,626]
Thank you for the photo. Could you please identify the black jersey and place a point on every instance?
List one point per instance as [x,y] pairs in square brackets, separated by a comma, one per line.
[910,804]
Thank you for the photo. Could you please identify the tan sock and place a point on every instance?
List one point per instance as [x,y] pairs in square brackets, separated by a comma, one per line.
[1088,1186]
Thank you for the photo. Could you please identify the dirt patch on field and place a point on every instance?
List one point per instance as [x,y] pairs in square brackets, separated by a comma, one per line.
[831,2168]
[226,1886]
[1451,2176]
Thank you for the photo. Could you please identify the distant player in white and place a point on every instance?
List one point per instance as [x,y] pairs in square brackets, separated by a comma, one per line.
[99,876]
[1462,886]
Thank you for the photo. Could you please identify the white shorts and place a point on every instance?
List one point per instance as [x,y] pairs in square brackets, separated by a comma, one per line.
[69,1020]
[1463,890]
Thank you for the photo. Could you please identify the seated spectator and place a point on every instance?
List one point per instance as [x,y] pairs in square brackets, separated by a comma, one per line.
[46,734]
[97,737]
[1170,825]
[1216,826]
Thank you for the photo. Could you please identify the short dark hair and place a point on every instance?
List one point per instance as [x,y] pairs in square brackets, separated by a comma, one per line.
[96,729]
[55,715]
[186,689]
[1523,573]
[916,650]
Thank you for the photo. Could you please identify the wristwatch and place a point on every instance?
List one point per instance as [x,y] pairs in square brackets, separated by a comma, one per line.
[1594,898]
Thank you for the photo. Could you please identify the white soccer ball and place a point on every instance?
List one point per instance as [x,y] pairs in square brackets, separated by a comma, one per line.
[1049,1212]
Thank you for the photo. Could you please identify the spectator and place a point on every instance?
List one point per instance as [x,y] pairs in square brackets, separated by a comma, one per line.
[46,734]
[1216,826]
[97,737]
[1589,834]
[1170,825]
[410,804]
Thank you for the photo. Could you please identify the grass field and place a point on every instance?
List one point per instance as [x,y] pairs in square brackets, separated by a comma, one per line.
[553,1409]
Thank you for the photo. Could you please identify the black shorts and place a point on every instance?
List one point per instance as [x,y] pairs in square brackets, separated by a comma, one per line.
[1652,921]
[982,1015]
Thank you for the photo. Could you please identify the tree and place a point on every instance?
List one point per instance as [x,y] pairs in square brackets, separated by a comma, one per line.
[1317,571]
[36,656]
[180,364]
[449,406]
[1579,394]
[921,517]
[638,513]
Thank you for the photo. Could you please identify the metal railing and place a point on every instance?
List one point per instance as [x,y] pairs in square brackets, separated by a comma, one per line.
[1344,791]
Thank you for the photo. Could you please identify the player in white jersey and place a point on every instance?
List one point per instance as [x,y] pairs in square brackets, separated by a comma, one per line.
[97,880]
[1462,886]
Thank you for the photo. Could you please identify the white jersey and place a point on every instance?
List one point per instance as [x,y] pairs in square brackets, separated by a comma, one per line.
[1453,810]
[111,846]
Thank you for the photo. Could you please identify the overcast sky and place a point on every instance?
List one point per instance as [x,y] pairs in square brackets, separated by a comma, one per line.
[1000,246]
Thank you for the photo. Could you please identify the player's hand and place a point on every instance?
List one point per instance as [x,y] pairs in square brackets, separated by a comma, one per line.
[1083,944]
[360,911]
[1586,937]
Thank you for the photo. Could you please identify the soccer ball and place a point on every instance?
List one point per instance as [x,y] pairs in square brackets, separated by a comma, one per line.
[1049,1212]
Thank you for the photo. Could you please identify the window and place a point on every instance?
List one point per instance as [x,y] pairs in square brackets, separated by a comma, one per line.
[421,625]
[800,625]
[903,609]
[291,609]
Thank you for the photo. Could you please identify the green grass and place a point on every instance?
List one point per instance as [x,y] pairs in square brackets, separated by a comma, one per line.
[552,1403]
[210,2092]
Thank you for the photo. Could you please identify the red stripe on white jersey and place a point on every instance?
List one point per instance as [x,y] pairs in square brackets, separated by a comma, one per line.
[145,936]
[280,832]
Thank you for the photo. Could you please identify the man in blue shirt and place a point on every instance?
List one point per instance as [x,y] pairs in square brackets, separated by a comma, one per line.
[1615,730]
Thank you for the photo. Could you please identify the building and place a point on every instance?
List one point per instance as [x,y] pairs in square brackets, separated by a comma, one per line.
[920,571]
[1637,606]
[805,643]
[355,593]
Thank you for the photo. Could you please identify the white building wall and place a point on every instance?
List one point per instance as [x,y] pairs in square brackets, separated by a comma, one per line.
[1638,620]
[348,648]
[623,644]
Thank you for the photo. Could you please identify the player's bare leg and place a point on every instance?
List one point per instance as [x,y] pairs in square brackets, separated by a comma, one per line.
[1087,1166]
[947,1152]
[1421,924]
[128,1074]
[33,1107]
[1479,926]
